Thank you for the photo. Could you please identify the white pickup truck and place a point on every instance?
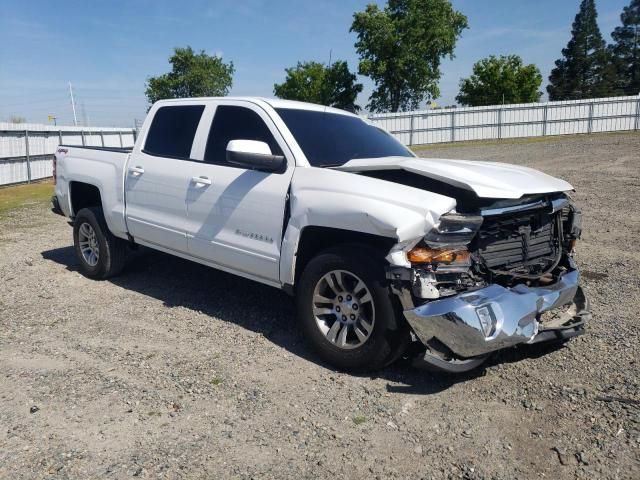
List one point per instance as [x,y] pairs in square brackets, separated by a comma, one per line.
[381,249]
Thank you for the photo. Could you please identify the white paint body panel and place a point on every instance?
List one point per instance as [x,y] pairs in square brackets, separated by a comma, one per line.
[330,198]
[103,169]
[486,179]
[236,222]
[155,201]
[235,219]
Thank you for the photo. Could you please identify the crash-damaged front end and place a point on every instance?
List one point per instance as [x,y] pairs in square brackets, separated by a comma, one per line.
[491,277]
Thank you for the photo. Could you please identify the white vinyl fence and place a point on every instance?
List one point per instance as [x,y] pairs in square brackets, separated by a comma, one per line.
[26,149]
[511,121]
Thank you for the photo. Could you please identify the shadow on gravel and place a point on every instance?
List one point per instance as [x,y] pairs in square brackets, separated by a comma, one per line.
[262,309]
[410,380]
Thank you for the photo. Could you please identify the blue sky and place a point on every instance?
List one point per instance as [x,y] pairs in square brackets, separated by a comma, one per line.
[109,48]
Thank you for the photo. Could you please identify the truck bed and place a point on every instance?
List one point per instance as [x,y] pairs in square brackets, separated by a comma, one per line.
[102,167]
[105,149]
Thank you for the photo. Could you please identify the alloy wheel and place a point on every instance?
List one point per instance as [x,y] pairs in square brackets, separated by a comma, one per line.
[343,309]
[89,246]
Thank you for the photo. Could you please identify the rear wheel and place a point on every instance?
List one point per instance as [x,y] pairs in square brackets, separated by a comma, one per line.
[100,254]
[346,310]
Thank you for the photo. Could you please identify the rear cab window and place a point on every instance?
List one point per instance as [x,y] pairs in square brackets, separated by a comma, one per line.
[172,131]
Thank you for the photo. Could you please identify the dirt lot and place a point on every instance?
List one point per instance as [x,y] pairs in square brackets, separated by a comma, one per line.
[178,371]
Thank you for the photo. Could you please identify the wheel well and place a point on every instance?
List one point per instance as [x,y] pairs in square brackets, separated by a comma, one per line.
[84,195]
[314,239]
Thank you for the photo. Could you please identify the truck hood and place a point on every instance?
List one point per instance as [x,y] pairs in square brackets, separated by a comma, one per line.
[485,179]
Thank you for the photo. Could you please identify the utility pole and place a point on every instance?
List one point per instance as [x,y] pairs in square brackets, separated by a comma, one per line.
[136,129]
[73,105]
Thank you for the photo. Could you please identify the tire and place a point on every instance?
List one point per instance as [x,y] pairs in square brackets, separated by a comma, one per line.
[111,251]
[387,333]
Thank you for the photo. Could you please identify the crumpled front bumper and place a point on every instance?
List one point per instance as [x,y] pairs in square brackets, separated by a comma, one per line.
[510,316]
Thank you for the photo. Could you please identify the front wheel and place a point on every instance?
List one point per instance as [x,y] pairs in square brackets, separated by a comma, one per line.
[346,310]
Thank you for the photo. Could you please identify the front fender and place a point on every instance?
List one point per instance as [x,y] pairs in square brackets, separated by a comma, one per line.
[330,198]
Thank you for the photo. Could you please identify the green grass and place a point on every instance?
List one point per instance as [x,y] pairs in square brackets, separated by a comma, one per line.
[19,196]
[359,419]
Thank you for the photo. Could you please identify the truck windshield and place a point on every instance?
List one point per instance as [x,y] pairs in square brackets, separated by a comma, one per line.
[332,139]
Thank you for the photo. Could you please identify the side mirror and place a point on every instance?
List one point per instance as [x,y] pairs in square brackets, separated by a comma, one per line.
[254,155]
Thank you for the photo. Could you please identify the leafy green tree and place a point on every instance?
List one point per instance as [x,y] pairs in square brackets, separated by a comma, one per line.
[400,49]
[498,80]
[585,69]
[626,50]
[192,75]
[334,85]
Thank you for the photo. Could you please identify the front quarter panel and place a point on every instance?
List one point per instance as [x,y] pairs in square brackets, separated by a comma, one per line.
[331,198]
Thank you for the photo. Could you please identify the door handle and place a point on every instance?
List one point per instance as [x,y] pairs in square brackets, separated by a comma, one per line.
[136,170]
[201,180]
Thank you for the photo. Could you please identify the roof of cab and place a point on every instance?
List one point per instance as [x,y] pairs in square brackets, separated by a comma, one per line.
[273,102]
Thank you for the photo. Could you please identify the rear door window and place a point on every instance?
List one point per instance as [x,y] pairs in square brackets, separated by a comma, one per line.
[172,131]
[236,123]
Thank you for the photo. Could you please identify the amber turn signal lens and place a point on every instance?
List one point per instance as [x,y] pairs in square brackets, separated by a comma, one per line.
[432,255]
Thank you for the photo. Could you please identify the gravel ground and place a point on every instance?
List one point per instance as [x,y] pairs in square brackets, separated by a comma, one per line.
[178,371]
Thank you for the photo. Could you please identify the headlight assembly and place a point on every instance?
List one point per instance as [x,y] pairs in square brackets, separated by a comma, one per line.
[433,255]
[453,229]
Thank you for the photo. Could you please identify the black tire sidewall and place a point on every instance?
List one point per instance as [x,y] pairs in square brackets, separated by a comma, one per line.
[378,348]
[90,216]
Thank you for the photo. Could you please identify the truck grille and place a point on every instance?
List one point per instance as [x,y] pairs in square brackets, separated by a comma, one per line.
[523,242]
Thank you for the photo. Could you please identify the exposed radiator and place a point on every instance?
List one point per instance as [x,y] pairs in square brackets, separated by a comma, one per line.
[524,242]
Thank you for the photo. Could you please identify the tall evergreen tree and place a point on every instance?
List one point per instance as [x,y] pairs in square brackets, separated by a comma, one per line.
[626,50]
[585,69]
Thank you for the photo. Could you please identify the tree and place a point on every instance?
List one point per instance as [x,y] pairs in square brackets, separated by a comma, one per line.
[17,119]
[334,85]
[585,71]
[192,75]
[626,50]
[498,80]
[401,47]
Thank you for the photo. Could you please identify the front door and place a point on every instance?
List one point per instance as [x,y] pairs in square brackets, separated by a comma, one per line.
[237,221]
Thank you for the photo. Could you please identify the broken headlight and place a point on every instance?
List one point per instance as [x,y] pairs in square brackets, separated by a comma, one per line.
[575,225]
[433,255]
[453,229]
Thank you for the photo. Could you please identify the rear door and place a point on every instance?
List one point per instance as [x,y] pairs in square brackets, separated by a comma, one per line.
[237,221]
[157,179]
